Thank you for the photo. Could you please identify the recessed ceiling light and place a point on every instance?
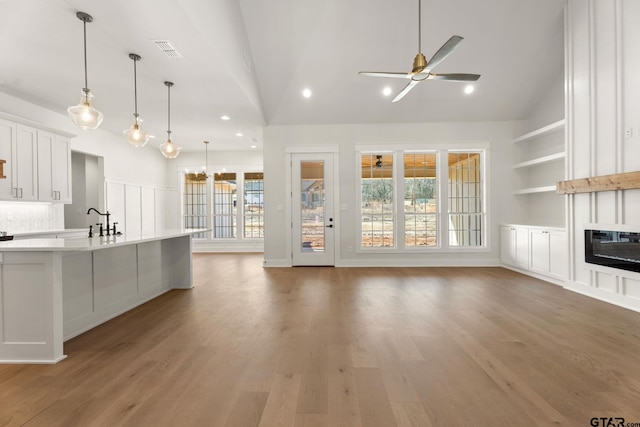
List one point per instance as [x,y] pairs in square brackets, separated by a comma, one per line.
[386,91]
[306,93]
[239,134]
[469,89]
[225,117]
[253,146]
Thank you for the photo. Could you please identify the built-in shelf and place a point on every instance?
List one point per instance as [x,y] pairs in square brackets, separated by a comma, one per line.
[540,160]
[545,189]
[538,133]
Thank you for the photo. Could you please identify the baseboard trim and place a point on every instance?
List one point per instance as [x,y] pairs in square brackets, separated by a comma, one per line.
[611,298]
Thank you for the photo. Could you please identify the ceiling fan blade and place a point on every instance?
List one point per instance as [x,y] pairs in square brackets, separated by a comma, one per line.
[455,77]
[385,74]
[443,52]
[406,90]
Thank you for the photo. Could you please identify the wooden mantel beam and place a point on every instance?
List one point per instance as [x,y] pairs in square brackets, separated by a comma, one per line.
[618,181]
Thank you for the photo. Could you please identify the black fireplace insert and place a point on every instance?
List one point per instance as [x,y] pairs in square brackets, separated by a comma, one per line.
[616,249]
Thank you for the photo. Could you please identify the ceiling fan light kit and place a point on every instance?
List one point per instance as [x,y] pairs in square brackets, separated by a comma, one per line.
[85,115]
[422,68]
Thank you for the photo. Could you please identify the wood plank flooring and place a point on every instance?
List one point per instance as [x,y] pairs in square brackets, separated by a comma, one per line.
[365,347]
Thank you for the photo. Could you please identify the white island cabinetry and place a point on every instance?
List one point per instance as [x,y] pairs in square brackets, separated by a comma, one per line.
[54,289]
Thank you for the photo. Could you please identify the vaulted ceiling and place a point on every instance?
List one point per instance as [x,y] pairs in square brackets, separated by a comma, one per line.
[251,59]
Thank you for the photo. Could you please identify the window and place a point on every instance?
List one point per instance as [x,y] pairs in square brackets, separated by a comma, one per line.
[212,202]
[254,205]
[465,200]
[195,202]
[440,205]
[420,203]
[377,200]
[224,205]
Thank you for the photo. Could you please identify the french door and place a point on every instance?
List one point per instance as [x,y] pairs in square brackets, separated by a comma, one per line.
[312,209]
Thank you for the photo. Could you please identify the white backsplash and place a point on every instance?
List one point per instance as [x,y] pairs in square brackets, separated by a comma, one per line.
[17,217]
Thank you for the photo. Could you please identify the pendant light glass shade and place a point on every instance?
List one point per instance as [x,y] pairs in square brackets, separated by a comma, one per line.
[134,135]
[169,149]
[84,115]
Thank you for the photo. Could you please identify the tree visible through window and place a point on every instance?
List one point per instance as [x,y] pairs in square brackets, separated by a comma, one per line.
[420,204]
[419,213]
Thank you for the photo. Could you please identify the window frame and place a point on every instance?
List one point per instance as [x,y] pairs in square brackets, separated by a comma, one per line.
[442,150]
[240,172]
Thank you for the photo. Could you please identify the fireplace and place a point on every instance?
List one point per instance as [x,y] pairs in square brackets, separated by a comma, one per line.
[616,249]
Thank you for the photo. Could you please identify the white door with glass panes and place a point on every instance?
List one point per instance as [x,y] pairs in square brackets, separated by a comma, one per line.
[312,209]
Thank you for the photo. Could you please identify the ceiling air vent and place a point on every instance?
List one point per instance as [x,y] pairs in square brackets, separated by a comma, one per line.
[167,48]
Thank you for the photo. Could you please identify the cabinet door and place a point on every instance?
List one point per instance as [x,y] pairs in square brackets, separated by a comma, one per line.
[45,172]
[508,245]
[539,260]
[558,254]
[7,153]
[522,247]
[61,168]
[27,163]
[54,168]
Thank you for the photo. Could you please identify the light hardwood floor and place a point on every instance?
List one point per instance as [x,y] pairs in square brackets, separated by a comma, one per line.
[367,347]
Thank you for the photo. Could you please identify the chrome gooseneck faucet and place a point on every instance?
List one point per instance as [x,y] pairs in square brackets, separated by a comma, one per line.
[103,214]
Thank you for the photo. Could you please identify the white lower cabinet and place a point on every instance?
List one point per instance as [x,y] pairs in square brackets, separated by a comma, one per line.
[514,246]
[539,250]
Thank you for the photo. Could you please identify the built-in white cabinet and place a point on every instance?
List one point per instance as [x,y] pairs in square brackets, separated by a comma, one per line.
[548,252]
[514,245]
[54,168]
[541,251]
[38,164]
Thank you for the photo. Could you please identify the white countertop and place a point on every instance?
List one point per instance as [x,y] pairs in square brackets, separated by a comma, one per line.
[60,231]
[91,243]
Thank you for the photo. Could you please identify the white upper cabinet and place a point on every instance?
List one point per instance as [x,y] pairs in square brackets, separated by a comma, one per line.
[7,153]
[54,168]
[38,164]
[26,164]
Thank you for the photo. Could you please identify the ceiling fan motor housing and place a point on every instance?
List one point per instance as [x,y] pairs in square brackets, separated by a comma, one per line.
[419,63]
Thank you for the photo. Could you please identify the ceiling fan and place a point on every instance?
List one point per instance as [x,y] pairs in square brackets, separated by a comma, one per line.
[422,69]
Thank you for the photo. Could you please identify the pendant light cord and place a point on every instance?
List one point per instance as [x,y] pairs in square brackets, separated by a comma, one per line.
[86,85]
[135,89]
[168,84]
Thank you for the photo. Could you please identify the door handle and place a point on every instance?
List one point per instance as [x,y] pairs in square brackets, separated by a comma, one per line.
[329,226]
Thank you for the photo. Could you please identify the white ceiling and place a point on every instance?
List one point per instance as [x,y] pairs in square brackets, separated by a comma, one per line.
[250,59]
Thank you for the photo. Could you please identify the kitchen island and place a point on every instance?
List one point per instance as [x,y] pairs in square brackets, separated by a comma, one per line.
[54,289]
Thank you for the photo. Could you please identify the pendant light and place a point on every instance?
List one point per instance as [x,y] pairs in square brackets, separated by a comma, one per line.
[169,149]
[84,115]
[201,176]
[134,135]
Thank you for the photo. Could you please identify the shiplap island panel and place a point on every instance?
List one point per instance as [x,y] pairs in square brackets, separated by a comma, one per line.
[54,289]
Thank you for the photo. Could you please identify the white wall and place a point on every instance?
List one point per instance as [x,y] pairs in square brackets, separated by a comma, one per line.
[218,159]
[602,86]
[501,203]
[550,107]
